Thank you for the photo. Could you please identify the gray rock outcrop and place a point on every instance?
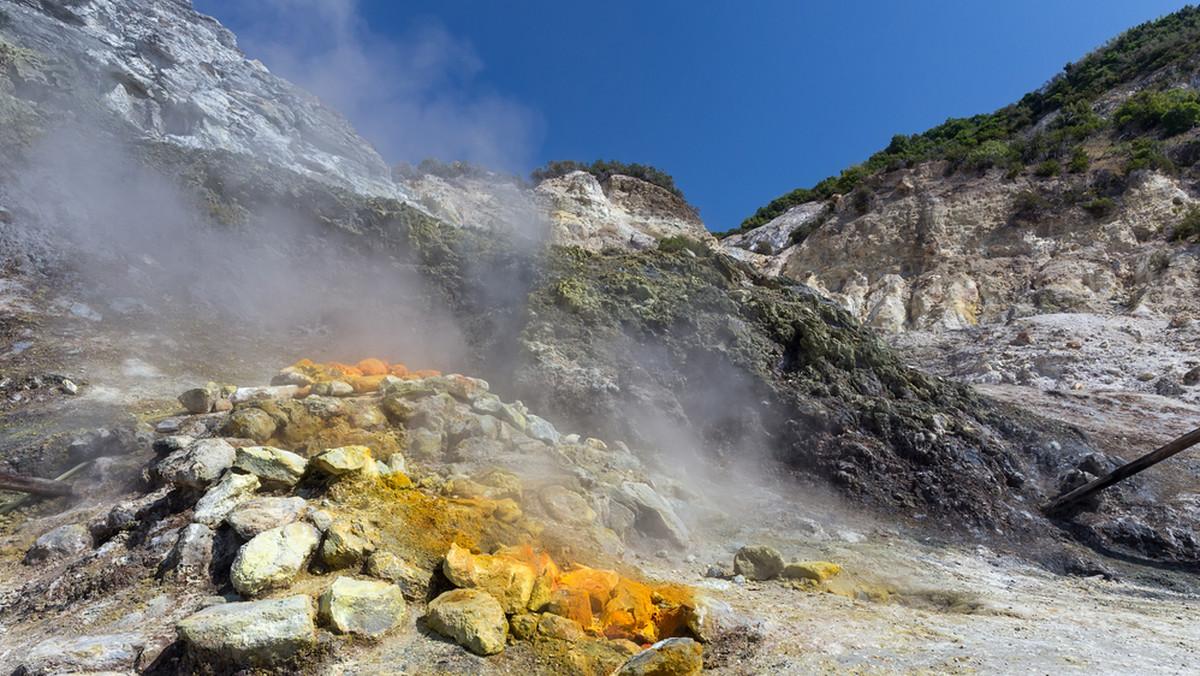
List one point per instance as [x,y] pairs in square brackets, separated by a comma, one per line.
[252,632]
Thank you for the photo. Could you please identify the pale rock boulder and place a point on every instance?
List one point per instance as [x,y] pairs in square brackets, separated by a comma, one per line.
[659,518]
[669,657]
[223,497]
[472,618]
[83,654]
[258,515]
[365,607]
[252,632]
[347,461]
[348,543]
[60,543]
[271,465]
[273,558]
[198,464]
[507,580]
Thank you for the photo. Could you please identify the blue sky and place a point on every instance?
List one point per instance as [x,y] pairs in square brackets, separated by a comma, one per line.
[740,102]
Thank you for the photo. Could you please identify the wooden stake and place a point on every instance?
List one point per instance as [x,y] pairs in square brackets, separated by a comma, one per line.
[1125,471]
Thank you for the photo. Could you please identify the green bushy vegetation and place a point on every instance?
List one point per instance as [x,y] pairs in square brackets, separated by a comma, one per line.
[1004,139]
[676,243]
[1147,153]
[1189,226]
[1050,167]
[1175,110]
[602,169]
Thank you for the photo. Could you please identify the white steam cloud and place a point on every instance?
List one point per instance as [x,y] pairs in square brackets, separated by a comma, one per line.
[414,96]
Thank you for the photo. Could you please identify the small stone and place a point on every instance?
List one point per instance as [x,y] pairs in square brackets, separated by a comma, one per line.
[1023,338]
[413,581]
[271,465]
[1074,345]
[259,515]
[348,542]
[670,657]
[292,376]
[1145,376]
[321,518]
[1168,386]
[353,461]
[197,465]
[1192,376]
[758,562]
[69,387]
[198,400]
[472,618]
[273,558]
[556,626]
[253,632]
[223,497]
[716,571]
[352,606]
[818,571]
[523,625]
[395,463]
[61,543]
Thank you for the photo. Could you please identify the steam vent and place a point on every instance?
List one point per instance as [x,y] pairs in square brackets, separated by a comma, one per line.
[269,405]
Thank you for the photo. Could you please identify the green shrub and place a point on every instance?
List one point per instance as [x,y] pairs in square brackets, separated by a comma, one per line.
[1030,206]
[1189,226]
[862,199]
[1014,170]
[1079,161]
[1147,153]
[676,243]
[1050,167]
[989,154]
[1101,206]
[1181,117]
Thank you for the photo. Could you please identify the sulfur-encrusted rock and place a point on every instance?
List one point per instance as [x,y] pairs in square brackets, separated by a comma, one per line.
[62,542]
[273,558]
[811,570]
[250,423]
[472,618]
[83,654]
[347,461]
[670,657]
[556,626]
[223,497]
[352,606]
[758,562]
[198,464]
[348,542]
[252,632]
[258,515]
[271,465]
[413,581]
[507,580]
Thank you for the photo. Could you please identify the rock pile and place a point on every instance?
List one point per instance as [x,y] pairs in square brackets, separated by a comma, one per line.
[317,514]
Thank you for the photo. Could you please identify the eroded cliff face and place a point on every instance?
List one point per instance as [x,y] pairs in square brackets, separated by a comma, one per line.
[621,213]
[175,75]
[915,249]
